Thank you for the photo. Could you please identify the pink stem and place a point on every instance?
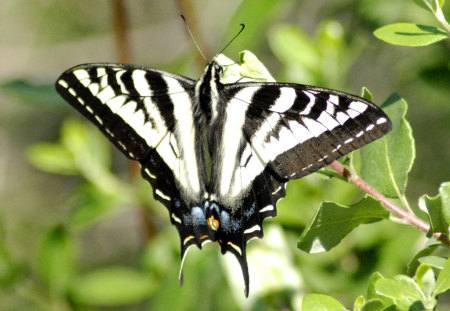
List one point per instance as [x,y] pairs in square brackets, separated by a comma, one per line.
[401,213]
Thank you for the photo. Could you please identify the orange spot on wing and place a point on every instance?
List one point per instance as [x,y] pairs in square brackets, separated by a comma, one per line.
[213,223]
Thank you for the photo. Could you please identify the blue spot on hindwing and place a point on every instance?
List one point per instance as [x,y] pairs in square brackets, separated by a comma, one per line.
[250,211]
[236,225]
[198,216]
[225,220]
[187,220]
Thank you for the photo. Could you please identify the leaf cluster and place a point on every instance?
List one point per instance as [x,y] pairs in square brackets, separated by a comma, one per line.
[410,34]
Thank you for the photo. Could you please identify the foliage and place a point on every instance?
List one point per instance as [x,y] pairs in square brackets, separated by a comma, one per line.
[349,246]
[409,34]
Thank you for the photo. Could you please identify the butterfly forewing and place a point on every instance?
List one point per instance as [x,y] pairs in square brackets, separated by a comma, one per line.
[297,129]
[134,107]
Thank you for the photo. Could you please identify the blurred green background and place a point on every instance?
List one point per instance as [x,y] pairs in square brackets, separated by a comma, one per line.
[78,231]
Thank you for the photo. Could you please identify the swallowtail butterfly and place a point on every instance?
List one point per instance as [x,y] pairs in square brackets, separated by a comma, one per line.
[217,155]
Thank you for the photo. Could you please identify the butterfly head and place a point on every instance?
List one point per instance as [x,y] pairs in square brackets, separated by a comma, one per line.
[217,68]
[213,72]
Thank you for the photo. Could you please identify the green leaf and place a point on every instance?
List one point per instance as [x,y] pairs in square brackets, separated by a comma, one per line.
[112,286]
[373,305]
[443,280]
[251,66]
[334,53]
[91,204]
[333,222]
[432,206]
[414,263]
[285,42]
[424,4]
[39,95]
[437,208]
[372,294]
[401,289]
[371,291]
[262,12]
[385,163]
[10,269]
[249,69]
[319,302]
[92,155]
[444,192]
[358,304]
[426,280]
[366,94]
[89,147]
[429,5]
[56,259]
[408,34]
[433,261]
[52,158]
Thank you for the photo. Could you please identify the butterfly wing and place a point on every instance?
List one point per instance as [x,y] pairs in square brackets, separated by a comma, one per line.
[297,129]
[288,131]
[272,132]
[135,108]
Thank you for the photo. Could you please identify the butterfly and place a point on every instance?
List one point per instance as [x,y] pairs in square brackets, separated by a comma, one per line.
[217,155]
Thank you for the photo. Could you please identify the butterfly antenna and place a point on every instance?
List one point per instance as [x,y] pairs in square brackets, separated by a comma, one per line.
[235,36]
[192,36]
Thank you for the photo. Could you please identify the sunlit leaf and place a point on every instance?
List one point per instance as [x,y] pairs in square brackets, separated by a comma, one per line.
[433,261]
[372,294]
[286,41]
[385,163]
[414,263]
[52,158]
[91,204]
[427,281]
[90,148]
[443,280]
[408,34]
[251,67]
[56,259]
[432,206]
[92,155]
[373,305]
[366,94]
[444,192]
[402,290]
[262,12]
[429,5]
[359,303]
[112,286]
[319,302]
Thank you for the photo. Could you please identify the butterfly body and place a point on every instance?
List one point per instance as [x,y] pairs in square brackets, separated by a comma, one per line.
[218,155]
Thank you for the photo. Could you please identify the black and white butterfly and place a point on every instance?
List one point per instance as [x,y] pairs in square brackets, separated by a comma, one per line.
[218,156]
